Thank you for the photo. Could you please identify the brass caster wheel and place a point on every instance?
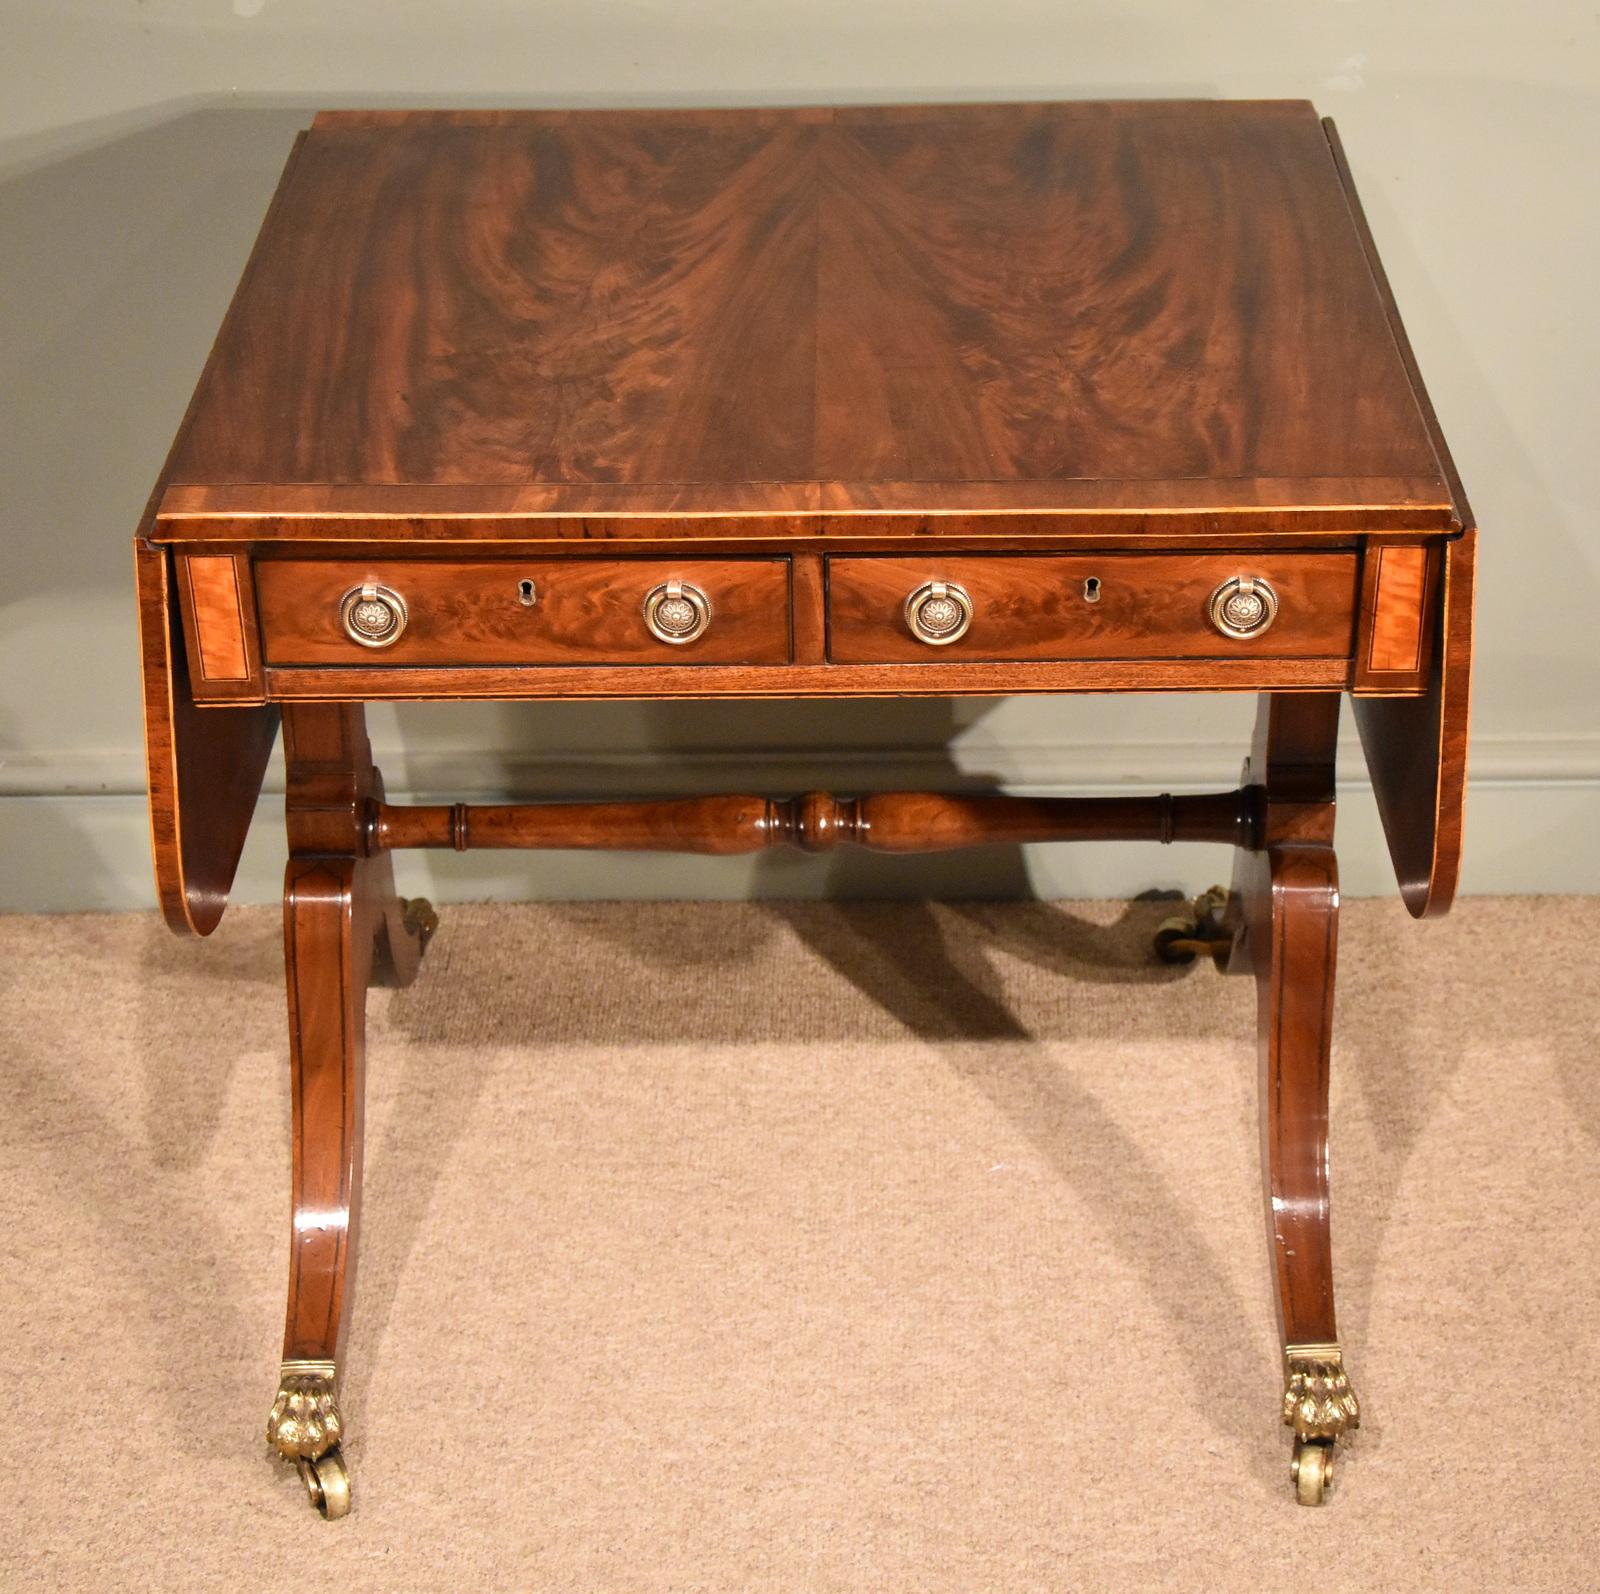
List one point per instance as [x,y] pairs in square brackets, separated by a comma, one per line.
[1311,1470]
[420,918]
[328,1484]
[1183,939]
[1174,941]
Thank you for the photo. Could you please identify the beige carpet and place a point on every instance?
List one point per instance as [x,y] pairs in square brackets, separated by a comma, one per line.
[802,1248]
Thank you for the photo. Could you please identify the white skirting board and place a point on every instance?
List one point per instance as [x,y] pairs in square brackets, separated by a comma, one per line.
[70,852]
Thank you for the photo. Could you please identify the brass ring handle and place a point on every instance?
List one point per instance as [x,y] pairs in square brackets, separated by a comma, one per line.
[372,615]
[939,612]
[1243,607]
[676,612]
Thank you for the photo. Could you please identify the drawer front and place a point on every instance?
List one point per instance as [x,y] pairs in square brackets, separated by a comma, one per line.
[485,612]
[1087,606]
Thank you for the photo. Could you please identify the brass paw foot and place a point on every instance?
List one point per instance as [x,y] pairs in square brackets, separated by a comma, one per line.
[1320,1405]
[420,918]
[304,1427]
[1318,1402]
[304,1420]
[1201,930]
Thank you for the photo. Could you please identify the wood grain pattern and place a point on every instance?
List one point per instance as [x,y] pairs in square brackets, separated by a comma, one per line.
[1286,906]
[915,309]
[215,611]
[1295,1019]
[1417,748]
[901,822]
[378,683]
[480,305]
[1416,751]
[327,960]
[204,770]
[808,606]
[1092,295]
[1190,510]
[343,926]
[469,613]
[1399,593]
[1033,607]
[222,530]
[217,599]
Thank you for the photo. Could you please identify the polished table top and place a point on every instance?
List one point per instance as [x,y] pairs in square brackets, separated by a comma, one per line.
[1103,316]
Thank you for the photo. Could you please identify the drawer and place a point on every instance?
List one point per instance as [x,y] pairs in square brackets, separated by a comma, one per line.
[1089,606]
[525,611]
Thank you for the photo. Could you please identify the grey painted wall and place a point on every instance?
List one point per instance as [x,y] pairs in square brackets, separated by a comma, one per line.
[139,143]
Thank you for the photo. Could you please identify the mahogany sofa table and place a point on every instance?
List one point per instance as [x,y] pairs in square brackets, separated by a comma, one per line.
[933,401]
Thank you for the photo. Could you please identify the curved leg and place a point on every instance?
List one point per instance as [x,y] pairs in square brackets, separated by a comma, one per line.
[1295,1008]
[342,925]
[1294,988]
[328,961]
[1284,912]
